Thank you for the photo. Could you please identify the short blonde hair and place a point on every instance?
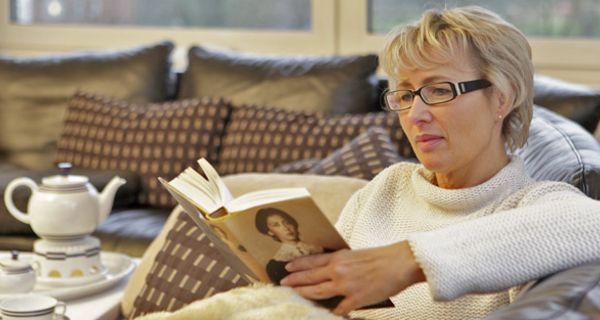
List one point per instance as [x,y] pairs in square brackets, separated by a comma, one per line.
[501,53]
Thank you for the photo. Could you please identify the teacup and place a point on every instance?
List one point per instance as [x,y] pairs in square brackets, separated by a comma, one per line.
[32,307]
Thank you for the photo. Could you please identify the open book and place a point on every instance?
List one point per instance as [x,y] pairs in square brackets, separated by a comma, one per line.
[258,232]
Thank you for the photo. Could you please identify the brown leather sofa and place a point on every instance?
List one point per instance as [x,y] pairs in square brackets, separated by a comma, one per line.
[36,93]
[32,109]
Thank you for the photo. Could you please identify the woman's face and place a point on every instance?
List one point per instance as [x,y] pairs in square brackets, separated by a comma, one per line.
[281,229]
[460,140]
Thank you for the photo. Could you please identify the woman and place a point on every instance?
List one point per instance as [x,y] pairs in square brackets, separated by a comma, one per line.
[454,237]
[282,228]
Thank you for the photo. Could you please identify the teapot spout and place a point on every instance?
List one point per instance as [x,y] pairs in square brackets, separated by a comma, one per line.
[107,196]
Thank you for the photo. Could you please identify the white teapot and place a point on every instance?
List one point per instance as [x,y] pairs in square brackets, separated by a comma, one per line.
[63,206]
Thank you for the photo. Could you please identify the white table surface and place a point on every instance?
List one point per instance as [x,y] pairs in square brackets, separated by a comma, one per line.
[105,305]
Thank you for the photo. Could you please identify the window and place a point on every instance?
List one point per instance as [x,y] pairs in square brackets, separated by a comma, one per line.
[273,14]
[564,34]
[535,18]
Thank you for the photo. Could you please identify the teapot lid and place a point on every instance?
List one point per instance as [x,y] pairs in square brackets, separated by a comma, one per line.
[64,180]
[60,181]
[13,264]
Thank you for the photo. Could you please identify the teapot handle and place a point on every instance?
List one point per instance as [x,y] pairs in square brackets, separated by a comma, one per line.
[10,205]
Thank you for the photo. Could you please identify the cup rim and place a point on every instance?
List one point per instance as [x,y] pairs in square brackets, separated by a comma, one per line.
[22,305]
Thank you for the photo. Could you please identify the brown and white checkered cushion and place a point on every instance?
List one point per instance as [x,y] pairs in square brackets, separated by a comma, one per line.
[261,139]
[187,268]
[150,140]
[364,157]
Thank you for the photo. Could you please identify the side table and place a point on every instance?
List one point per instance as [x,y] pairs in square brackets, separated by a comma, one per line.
[104,302]
[104,305]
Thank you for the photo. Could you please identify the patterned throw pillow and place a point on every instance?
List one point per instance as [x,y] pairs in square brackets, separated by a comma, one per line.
[261,139]
[187,268]
[149,140]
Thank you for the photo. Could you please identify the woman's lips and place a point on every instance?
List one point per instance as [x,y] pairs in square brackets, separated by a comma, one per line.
[427,142]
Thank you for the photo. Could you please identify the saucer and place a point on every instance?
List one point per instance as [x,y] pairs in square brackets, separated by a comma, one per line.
[55,317]
[70,282]
[118,266]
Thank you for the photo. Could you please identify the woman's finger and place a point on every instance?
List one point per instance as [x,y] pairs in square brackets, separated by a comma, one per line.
[306,277]
[308,262]
[322,290]
[346,305]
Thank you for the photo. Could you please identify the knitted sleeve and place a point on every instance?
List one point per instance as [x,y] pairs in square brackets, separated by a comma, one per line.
[553,227]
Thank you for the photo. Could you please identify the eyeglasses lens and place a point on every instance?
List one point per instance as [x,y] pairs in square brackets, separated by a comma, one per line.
[437,93]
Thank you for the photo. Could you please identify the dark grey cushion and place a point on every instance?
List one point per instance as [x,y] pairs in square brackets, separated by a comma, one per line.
[570,294]
[131,231]
[560,150]
[35,91]
[326,85]
[127,231]
[576,102]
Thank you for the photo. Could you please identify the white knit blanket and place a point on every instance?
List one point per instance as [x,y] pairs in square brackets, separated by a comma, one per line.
[256,302]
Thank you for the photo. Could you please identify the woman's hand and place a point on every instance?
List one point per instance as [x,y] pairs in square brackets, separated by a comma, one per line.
[363,277]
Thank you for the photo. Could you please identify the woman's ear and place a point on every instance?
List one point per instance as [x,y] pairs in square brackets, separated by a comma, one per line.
[504,102]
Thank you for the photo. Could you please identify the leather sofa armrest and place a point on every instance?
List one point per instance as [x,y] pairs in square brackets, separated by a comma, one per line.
[570,294]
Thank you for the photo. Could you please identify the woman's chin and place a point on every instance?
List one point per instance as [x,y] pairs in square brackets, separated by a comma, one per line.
[432,164]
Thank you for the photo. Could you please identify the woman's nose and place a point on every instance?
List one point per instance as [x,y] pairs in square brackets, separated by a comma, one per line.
[419,112]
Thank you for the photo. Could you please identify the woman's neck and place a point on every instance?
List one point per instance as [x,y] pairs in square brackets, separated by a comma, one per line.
[472,175]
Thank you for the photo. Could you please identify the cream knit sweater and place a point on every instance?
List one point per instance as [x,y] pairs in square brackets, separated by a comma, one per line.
[488,238]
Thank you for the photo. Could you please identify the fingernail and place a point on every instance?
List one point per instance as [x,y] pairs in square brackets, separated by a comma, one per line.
[283,281]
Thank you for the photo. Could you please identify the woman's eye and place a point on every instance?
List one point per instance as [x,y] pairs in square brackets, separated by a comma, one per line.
[407,97]
[441,91]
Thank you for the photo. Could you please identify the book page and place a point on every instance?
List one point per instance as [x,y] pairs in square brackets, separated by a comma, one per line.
[185,189]
[215,181]
[231,256]
[257,198]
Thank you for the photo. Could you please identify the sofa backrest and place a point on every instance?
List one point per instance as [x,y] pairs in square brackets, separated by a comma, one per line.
[35,91]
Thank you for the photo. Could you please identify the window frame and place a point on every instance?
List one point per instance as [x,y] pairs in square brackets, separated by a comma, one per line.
[338,27]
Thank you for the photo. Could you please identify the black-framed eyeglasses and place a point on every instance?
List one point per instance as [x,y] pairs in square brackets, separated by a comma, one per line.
[431,94]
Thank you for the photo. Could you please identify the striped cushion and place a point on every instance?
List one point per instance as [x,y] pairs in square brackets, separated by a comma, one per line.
[188,267]
[150,140]
[364,157]
[300,166]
